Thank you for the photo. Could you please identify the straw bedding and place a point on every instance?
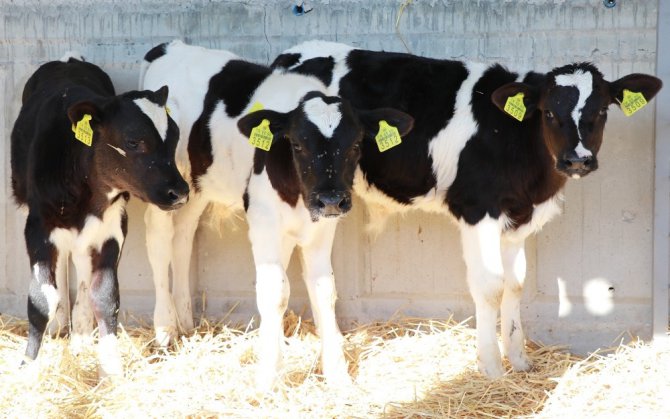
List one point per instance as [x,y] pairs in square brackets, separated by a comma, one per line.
[405,367]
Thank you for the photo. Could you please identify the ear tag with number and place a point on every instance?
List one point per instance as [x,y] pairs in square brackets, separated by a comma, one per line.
[387,137]
[632,102]
[83,131]
[261,136]
[515,107]
[257,106]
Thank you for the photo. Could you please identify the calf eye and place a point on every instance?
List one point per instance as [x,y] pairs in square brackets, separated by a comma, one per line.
[356,147]
[132,144]
[603,111]
[549,114]
[297,147]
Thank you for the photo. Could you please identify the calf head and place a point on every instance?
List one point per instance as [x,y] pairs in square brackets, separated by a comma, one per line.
[134,143]
[573,101]
[325,134]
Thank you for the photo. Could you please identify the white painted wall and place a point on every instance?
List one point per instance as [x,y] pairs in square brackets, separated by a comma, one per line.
[600,250]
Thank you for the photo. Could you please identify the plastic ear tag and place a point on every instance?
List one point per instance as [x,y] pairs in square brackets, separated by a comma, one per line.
[515,107]
[256,107]
[261,136]
[632,102]
[387,137]
[83,131]
[167,110]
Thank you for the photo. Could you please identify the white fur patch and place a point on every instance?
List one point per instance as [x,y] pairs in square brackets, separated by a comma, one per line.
[71,54]
[446,147]
[582,151]
[156,113]
[542,214]
[583,81]
[118,150]
[325,116]
[41,273]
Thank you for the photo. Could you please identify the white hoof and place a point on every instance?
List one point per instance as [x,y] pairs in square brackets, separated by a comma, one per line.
[492,370]
[165,335]
[520,362]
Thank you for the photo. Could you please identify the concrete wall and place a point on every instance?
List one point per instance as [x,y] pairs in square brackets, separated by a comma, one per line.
[590,271]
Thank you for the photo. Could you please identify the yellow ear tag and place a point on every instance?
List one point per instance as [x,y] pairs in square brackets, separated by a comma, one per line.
[167,110]
[256,107]
[515,107]
[83,131]
[632,102]
[387,137]
[261,136]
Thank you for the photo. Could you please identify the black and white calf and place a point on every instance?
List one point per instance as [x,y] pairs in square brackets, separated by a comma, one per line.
[499,177]
[76,186]
[292,194]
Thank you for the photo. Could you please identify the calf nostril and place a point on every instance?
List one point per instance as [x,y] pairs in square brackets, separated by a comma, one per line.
[567,163]
[172,195]
[344,203]
[588,161]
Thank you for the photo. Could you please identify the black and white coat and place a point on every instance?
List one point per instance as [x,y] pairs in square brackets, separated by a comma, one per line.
[76,194]
[500,178]
[293,194]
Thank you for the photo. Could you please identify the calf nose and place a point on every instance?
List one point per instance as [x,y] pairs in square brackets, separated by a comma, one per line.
[178,194]
[578,166]
[333,204]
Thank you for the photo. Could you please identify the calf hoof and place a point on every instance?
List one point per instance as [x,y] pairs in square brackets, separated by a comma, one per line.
[165,335]
[80,343]
[60,324]
[520,362]
[492,370]
[265,380]
[339,379]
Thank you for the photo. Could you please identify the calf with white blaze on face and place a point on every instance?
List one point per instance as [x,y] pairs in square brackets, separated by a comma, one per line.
[490,147]
[78,152]
[293,186]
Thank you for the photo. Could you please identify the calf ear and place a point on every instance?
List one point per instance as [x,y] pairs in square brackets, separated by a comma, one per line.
[160,96]
[94,108]
[639,83]
[530,97]
[278,123]
[370,120]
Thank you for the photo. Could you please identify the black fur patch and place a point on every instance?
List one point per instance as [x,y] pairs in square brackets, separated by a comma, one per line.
[281,171]
[233,85]
[321,67]
[286,61]
[422,87]
[155,52]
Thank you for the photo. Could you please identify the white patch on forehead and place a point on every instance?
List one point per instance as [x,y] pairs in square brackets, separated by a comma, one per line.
[156,113]
[583,81]
[325,116]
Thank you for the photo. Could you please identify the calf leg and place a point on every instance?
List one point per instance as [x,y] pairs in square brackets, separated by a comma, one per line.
[42,294]
[61,322]
[318,274]
[83,319]
[514,264]
[185,225]
[481,251]
[272,293]
[104,297]
[159,235]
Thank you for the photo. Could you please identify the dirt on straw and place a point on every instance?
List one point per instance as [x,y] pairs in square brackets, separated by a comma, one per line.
[406,367]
